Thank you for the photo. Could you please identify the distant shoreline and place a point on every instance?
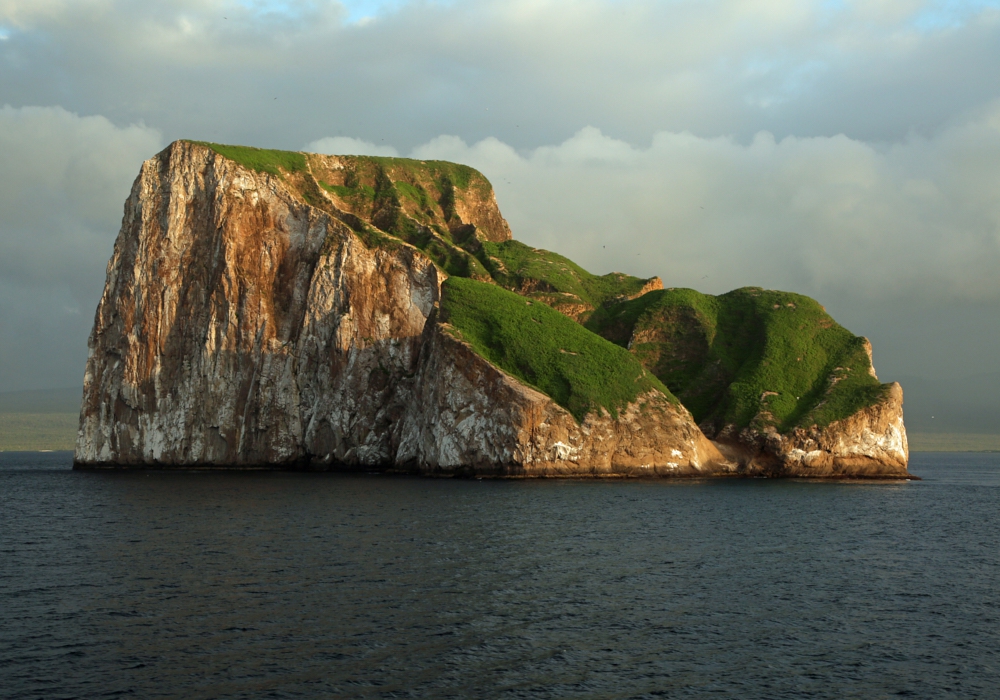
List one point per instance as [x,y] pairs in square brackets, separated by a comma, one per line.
[953,442]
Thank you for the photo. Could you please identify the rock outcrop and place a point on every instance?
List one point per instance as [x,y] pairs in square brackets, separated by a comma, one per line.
[486,422]
[869,443]
[284,311]
[243,326]
[778,385]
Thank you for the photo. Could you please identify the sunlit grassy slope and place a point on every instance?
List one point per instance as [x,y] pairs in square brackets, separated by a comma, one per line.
[554,279]
[263,160]
[731,357]
[543,348]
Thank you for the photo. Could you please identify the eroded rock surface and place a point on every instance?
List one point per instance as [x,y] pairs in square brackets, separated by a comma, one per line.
[870,443]
[242,326]
[486,422]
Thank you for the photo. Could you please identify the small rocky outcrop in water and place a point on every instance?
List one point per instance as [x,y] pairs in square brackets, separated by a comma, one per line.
[275,309]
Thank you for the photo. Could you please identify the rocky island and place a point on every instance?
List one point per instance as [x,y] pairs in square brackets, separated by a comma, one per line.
[283,310]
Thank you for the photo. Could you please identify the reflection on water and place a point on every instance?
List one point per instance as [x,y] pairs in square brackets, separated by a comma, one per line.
[307,585]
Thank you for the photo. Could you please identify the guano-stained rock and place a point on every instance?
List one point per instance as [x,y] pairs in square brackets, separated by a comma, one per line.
[531,435]
[243,327]
[870,443]
[256,319]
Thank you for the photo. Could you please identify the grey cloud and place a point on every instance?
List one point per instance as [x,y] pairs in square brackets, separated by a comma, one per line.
[529,72]
[902,243]
[823,215]
[876,192]
[63,181]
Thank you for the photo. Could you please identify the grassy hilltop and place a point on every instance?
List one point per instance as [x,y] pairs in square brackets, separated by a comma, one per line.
[751,357]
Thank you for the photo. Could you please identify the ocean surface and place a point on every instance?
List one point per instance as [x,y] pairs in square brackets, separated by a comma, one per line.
[271,585]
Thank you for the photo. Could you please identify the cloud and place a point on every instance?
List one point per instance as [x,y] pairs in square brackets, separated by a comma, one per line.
[855,224]
[842,149]
[347,146]
[63,181]
[529,72]
[820,215]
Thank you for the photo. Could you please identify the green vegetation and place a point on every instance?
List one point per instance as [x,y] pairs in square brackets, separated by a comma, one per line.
[535,343]
[343,191]
[751,355]
[414,193]
[446,255]
[38,431]
[461,176]
[375,189]
[517,266]
[262,160]
[414,178]
[372,190]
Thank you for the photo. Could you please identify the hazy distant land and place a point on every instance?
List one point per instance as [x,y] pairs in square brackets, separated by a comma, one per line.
[953,442]
[37,431]
[39,420]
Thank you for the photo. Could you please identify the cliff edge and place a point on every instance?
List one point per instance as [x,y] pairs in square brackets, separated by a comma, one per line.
[269,309]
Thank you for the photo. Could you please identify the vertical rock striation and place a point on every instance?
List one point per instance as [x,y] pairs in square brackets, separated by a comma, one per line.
[251,318]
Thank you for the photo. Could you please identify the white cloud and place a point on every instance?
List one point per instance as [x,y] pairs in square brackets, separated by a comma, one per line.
[528,72]
[347,146]
[879,180]
[820,215]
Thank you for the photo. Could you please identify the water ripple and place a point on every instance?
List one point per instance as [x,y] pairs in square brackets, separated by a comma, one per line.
[160,584]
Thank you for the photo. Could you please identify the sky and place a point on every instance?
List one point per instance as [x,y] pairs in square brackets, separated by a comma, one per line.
[849,151]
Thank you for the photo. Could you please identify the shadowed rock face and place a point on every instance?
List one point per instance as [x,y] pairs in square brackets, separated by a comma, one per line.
[242,326]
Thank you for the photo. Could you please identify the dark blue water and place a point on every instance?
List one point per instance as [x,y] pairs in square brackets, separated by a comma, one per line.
[302,585]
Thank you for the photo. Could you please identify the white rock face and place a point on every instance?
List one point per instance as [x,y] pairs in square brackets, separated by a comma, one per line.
[242,327]
[486,422]
[870,443]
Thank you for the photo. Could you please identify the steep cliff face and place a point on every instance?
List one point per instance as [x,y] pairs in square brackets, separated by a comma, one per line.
[230,309]
[252,318]
[486,422]
[871,442]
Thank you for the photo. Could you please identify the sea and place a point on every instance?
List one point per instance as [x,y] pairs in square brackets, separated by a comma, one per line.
[159,584]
